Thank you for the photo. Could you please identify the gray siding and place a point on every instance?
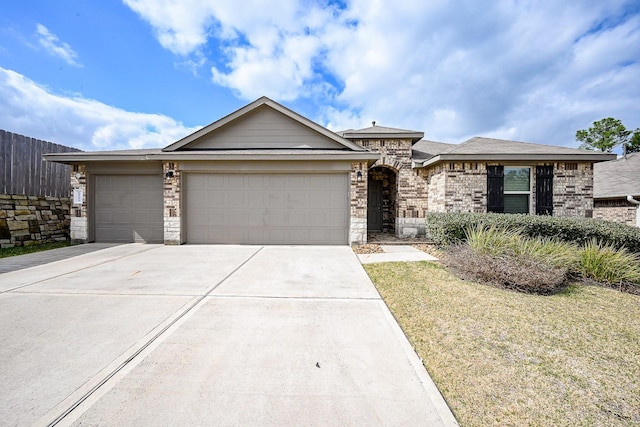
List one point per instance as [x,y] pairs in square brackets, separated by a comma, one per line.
[265,128]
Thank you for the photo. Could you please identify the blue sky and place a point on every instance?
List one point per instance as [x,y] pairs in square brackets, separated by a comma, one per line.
[144,73]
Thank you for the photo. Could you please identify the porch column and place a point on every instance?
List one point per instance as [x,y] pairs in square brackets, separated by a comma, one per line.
[172,206]
[79,227]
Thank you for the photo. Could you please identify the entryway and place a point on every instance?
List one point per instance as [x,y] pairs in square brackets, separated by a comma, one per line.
[381,196]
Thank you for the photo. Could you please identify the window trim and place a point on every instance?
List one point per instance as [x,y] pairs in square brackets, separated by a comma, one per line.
[528,193]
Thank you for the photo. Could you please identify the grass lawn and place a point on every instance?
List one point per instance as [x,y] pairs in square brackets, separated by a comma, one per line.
[505,358]
[21,250]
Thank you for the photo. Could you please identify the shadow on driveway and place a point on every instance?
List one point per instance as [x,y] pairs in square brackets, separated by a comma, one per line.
[19,262]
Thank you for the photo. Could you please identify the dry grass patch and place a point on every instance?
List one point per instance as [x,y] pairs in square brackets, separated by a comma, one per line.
[506,358]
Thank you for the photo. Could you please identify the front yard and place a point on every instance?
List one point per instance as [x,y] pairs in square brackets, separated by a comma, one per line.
[505,358]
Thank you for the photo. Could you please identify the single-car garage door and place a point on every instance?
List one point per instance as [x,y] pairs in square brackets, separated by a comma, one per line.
[264,208]
[128,208]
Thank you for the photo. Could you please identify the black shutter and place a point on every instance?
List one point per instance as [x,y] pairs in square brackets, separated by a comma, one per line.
[544,190]
[495,189]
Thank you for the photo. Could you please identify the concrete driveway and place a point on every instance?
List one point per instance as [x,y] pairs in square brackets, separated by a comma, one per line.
[206,335]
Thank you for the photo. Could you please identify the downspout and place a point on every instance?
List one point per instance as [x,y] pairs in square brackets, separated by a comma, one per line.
[630,199]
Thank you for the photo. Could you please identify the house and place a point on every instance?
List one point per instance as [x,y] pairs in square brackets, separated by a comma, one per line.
[265,174]
[616,190]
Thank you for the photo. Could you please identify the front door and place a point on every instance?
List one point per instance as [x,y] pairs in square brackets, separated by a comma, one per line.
[374,206]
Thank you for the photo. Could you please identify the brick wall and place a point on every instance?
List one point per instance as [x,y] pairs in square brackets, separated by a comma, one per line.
[573,189]
[462,187]
[31,220]
[618,210]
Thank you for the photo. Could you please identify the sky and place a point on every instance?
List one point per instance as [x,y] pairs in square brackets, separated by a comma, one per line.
[105,75]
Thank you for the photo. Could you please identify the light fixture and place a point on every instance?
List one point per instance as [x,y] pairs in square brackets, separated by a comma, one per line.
[169,174]
[359,175]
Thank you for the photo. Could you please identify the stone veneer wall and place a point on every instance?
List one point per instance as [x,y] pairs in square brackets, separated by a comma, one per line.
[617,210]
[411,198]
[172,206]
[79,229]
[32,220]
[358,203]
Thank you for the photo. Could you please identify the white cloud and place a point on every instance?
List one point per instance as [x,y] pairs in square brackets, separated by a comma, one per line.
[530,70]
[33,110]
[55,47]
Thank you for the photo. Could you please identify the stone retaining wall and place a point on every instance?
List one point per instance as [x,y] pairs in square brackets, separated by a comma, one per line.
[32,220]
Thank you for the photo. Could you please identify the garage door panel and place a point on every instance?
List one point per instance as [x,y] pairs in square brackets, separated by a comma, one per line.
[128,208]
[267,208]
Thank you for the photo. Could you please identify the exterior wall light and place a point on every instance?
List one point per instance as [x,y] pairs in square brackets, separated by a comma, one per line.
[359,176]
[169,174]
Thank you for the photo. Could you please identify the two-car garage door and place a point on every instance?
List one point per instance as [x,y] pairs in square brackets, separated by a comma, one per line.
[267,208]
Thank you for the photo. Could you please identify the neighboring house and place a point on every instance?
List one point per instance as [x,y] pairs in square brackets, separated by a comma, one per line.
[616,190]
[265,174]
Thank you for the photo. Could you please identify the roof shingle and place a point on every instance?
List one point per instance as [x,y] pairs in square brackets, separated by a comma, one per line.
[617,178]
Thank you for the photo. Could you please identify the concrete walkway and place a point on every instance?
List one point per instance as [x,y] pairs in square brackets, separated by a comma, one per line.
[396,253]
[207,335]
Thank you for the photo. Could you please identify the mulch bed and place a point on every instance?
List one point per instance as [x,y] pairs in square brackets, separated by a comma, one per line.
[369,248]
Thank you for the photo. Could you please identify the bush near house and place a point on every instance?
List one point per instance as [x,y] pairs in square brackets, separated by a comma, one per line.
[446,229]
[509,259]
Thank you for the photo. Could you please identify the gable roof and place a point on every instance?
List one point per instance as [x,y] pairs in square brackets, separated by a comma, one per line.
[328,145]
[244,113]
[617,178]
[492,149]
[381,132]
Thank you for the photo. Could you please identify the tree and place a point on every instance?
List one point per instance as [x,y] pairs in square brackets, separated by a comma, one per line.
[604,135]
[634,144]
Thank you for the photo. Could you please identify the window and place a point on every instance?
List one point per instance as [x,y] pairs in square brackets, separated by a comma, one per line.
[517,189]
[571,166]
[509,189]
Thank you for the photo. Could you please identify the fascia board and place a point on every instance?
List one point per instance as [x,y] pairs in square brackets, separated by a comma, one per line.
[415,137]
[595,157]
[184,156]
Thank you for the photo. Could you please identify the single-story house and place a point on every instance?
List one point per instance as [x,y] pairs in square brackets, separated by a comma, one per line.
[616,190]
[265,174]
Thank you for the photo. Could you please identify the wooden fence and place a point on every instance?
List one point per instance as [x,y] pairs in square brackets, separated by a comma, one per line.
[24,171]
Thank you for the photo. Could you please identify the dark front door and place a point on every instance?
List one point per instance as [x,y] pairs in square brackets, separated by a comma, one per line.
[374,206]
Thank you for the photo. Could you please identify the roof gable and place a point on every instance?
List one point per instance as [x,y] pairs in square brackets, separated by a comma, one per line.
[263,124]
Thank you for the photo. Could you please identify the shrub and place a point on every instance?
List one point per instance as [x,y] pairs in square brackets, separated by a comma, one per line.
[606,264]
[522,273]
[449,228]
[492,240]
